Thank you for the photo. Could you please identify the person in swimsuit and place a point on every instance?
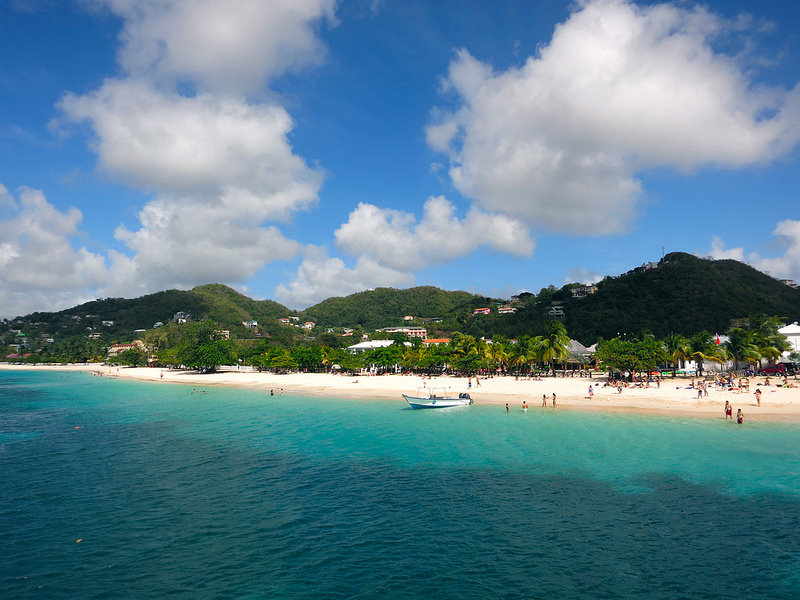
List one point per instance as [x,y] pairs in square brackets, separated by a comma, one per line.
[507,407]
[554,400]
[739,416]
[758,396]
[524,406]
[544,399]
[728,410]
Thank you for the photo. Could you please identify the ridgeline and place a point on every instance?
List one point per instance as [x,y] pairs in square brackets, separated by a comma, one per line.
[680,294]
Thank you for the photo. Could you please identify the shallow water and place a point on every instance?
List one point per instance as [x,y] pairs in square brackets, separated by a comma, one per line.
[234,493]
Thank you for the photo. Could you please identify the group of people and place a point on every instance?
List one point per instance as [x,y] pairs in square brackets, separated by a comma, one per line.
[729,413]
[554,402]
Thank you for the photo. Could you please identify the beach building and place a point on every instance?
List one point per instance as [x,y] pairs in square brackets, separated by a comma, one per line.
[792,333]
[117,349]
[369,345]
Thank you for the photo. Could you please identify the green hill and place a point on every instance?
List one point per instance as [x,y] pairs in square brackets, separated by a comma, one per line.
[386,307]
[681,294]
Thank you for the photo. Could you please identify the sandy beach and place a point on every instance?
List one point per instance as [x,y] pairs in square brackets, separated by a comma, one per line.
[674,396]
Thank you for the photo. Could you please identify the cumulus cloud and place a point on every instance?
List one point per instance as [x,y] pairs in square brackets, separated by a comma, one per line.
[619,88]
[321,276]
[784,266]
[219,165]
[232,46]
[584,276]
[39,268]
[719,251]
[221,150]
[390,245]
[438,237]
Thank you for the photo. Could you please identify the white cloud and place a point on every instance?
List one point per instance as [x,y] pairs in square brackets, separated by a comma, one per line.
[39,268]
[719,251]
[393,238]
[390,246]
[221,150]
[321,276]
[785,266]
[584,276]
[232,46]
[220,168]
[619,88]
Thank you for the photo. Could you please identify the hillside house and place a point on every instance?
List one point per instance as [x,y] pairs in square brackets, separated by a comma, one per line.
[506,310]
[252,324]
[581,291]
[482,311]
[418,332]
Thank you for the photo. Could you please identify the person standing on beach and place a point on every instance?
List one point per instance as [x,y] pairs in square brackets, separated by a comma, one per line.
[757,394]
[544,399]
[554,400]
[591,391]
[739,416]
[728,410]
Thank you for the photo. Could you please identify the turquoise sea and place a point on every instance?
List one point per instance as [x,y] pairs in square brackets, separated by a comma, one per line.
[236,494]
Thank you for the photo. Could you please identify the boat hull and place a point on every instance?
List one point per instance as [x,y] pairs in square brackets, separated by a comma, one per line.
[417,402]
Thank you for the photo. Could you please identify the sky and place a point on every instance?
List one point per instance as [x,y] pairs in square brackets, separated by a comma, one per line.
[302,149]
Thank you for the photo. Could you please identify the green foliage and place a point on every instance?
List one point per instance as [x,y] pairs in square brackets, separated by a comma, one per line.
[631,355]
[133,357]
[203,348]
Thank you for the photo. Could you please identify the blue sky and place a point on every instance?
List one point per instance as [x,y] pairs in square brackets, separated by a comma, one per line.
[303,149]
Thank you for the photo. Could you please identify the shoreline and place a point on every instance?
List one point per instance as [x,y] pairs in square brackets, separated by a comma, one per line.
[673,398]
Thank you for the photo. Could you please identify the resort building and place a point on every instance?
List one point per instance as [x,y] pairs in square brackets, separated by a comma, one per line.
[581,291]
[436,341]
[792,333]
[418,332]
[370,345]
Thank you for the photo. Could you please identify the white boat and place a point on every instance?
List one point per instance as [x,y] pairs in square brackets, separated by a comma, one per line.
[428,398]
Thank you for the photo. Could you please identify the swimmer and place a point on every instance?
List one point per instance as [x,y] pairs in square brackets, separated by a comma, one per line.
[739,416]
[524,406]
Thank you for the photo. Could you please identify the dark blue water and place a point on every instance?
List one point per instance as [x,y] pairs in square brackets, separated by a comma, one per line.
[234,494]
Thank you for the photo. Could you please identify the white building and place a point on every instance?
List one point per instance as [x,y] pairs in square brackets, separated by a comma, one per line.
[792,333]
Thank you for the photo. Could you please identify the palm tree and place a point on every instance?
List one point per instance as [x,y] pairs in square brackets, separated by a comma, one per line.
[554,345]
[741,346]
[702,347]
[678,348]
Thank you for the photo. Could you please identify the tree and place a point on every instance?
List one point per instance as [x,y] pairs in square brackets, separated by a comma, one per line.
[204,348]
[631,355]
[133,357]
[554,345]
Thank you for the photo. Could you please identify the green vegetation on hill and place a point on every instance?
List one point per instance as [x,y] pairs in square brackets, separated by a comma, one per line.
[681,295]
[386,307]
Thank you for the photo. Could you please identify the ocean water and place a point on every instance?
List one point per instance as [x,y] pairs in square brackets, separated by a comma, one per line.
[175,493]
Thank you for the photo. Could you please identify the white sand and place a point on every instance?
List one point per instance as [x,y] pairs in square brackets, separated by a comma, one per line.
[673,397]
